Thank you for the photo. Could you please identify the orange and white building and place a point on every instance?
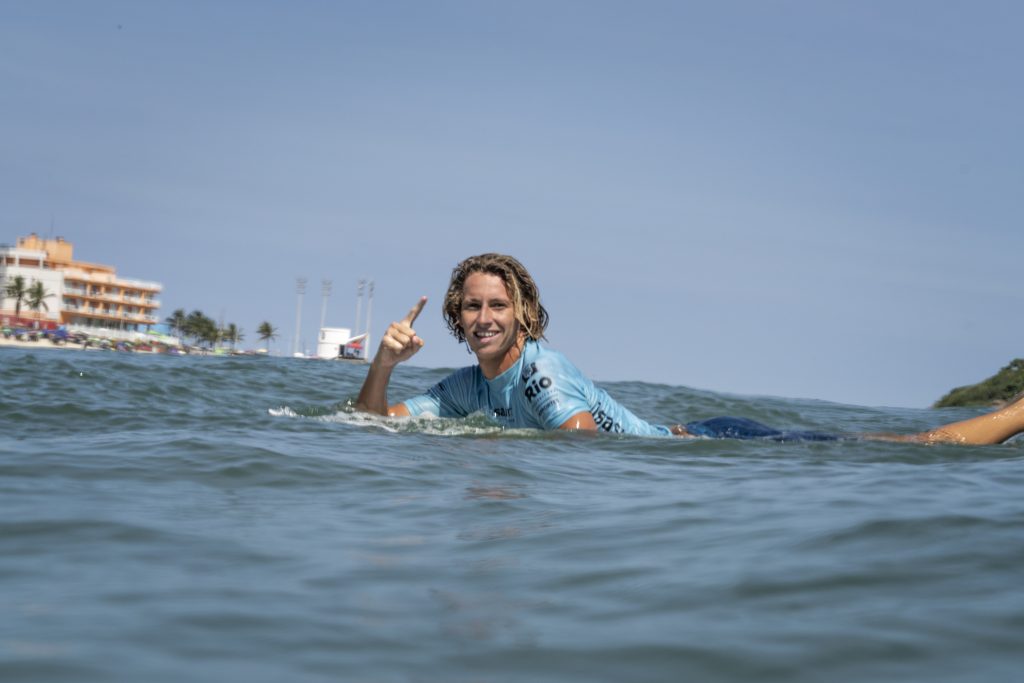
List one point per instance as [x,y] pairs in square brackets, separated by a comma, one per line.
[87,297]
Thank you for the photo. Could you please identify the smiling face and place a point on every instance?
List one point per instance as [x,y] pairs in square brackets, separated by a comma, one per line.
[488,320]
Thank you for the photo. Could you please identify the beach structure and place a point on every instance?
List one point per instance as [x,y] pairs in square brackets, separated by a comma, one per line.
[86,297]
[339,343]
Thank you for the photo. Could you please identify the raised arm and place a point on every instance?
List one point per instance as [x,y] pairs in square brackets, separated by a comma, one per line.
[399,344]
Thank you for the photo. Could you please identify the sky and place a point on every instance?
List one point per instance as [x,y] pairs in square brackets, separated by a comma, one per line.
[770,198]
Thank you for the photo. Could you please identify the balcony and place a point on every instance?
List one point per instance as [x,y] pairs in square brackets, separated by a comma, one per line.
[109,297]
[140,301]
[110,279]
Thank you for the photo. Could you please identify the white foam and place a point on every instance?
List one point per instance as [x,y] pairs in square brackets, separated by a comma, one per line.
[424,424]
[283,411]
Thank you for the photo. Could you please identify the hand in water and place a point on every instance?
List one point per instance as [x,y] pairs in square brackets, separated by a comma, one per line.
[400,342]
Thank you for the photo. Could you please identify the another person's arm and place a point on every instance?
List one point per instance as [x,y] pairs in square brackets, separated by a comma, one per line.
[399,344]
[990,428]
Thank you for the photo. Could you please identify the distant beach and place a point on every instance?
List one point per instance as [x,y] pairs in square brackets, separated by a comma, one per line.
[39,344]
[100,344]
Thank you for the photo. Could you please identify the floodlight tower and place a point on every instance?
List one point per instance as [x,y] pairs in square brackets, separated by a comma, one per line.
[369,308]
[359,305]
[325,289]
[300,289]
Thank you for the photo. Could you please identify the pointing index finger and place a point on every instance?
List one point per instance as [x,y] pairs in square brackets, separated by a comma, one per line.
[414,312]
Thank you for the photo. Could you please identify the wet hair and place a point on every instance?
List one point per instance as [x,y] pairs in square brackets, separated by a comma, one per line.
[521,288]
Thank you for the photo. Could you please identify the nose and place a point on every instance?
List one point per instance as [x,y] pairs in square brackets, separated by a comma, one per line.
[485,314]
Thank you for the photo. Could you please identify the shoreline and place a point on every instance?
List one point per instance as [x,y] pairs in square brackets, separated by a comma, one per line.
[41,344]
[44,344]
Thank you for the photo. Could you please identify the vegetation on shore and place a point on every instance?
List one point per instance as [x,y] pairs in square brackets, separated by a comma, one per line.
[996,390]
[203,329]
[34,295]
[267,332]
[15,288]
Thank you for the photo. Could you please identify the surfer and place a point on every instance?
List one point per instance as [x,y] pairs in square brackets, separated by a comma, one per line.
[493,306]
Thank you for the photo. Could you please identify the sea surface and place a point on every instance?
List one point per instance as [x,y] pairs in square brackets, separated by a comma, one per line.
[232,519]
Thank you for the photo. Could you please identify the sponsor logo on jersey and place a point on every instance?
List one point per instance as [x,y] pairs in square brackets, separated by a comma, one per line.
[604,421]
[535,386]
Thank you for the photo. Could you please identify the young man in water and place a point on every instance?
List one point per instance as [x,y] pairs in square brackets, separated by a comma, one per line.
[493,305]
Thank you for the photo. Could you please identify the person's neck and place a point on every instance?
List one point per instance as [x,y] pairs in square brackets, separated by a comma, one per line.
[492,369]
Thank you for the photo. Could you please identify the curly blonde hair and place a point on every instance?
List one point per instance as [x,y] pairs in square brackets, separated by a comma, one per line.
[532,317]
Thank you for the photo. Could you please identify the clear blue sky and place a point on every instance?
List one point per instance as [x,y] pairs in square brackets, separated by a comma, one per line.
[791,198]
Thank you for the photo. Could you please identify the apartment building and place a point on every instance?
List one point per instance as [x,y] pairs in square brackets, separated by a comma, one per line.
[87,297]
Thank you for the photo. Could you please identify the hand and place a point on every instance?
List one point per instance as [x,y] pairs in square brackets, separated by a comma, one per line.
[679,430]
[400,342]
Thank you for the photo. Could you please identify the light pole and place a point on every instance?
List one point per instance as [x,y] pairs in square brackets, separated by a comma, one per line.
[369,308]
[325,289]
[300,289]
[359,305]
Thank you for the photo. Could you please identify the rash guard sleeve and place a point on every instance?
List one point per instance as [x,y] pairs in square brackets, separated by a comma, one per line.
[554,390]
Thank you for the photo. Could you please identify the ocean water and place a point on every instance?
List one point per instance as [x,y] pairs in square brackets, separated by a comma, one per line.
[230,519]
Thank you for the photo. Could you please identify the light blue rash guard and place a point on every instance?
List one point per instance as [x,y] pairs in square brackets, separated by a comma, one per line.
[541,391]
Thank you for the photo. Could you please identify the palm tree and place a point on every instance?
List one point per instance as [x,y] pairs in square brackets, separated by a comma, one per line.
[201,328]
[176,321]
[267,333]
[232,334]
[193,326]
[37,296]
[16,290]
[209,332]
